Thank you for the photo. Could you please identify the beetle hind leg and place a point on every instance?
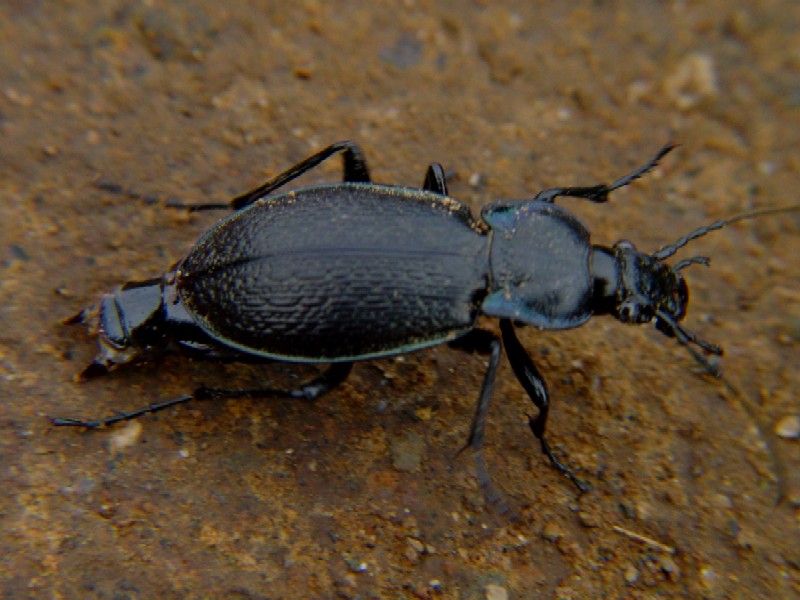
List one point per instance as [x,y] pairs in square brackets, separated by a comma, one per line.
[355,170]
[323,383]
[354,167]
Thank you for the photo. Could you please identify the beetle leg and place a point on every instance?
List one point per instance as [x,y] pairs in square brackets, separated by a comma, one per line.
[323,383]
[599,193]
[482,342]
[95,423]
[435,181]
[355,170]
[530,378]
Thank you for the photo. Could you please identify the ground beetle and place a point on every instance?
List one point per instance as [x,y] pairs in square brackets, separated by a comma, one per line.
[357,270]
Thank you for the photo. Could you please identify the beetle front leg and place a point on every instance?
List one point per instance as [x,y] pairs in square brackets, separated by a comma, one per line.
[482,342]
[530,378]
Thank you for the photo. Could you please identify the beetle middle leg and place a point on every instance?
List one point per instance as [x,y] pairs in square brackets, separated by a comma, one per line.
[482,342]
[599,193]
[323,383]
[530,378]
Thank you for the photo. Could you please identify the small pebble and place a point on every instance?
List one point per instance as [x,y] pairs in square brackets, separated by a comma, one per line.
[496,592]
[476,180]
[670,567]
[588,519]
[126,436]
[631,574]
[788,427]
[356,566]
[552,532]
[693,81]
[417,545]
[710,581]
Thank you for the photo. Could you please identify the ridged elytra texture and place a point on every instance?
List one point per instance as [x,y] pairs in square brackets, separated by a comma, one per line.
[333,273]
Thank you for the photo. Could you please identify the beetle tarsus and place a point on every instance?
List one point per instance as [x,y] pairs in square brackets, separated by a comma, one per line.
[582,486]
[493,497]
[67,422]
[686,338]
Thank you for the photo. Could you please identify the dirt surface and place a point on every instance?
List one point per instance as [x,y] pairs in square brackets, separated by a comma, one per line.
[362,495]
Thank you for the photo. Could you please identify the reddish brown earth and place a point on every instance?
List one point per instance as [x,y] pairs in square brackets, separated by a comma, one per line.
[361,495]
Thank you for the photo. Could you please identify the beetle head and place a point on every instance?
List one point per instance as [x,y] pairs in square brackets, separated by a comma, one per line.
[648,287]
[127,325]
[639,288]
[636,288]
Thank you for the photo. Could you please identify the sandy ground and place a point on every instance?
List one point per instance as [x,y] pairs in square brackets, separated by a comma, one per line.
[362,495]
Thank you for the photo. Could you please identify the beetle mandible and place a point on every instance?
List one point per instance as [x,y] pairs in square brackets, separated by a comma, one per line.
[352,271]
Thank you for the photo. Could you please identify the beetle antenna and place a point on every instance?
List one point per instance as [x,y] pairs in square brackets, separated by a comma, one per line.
[686,338]
[694,260]
[671,249]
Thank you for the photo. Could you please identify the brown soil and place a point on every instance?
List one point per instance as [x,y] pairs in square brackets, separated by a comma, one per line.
[362,495]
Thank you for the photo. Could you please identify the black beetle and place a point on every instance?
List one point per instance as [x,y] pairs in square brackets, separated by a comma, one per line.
[356,270]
